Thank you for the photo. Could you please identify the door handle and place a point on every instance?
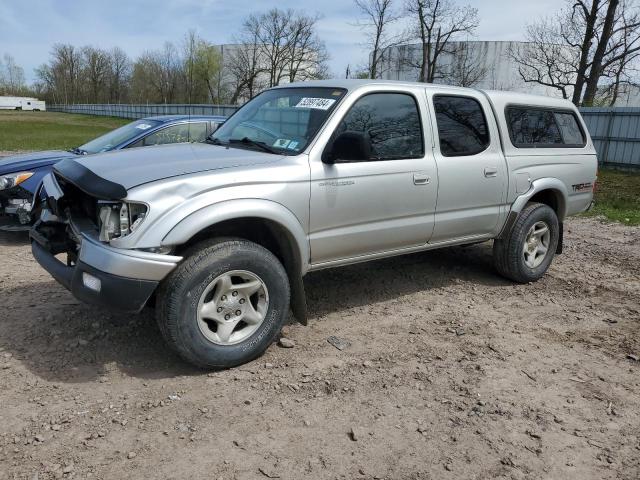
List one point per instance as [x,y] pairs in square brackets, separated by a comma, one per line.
[421,179]
[490,172]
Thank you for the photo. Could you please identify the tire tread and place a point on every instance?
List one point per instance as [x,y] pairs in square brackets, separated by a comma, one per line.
[507,251]
[169,303]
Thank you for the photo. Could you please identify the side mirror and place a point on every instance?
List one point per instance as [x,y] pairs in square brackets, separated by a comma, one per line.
[348,146]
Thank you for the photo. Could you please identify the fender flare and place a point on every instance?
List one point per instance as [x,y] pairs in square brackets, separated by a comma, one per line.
[540,185]
[201,219]
[537,186]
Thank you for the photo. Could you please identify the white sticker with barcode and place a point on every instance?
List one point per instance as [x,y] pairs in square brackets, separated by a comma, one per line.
[281,143]
[316,103]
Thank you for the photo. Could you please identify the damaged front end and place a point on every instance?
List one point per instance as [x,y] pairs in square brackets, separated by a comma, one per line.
[77,215]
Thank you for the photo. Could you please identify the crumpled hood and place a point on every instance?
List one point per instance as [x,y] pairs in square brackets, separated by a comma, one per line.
[137,166]
[29,161]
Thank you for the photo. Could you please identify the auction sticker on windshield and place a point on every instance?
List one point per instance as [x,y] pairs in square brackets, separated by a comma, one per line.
[281,143]
[143,126]
[316,103]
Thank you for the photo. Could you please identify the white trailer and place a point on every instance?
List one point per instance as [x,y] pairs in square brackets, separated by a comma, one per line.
[22,103]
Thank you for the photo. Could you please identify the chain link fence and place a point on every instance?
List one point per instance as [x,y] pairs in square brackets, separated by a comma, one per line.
[141,111]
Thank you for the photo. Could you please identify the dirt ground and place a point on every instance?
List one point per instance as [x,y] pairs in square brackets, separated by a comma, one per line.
[451,372]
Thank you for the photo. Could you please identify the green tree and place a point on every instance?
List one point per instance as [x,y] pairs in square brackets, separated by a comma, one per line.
[208,69]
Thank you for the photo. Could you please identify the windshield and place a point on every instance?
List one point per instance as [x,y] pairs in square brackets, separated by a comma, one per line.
[112,139]
[283,120]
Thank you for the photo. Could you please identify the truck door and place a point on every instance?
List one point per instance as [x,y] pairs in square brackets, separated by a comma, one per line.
[472,173]
[381,203]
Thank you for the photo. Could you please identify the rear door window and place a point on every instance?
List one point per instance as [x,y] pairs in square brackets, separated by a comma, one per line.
[462,126]
[539,128]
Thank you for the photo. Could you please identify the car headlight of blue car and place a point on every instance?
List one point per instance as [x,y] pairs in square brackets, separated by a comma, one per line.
[13,179]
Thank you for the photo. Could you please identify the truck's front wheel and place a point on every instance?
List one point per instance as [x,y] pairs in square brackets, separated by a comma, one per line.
[224,304]
[525,254]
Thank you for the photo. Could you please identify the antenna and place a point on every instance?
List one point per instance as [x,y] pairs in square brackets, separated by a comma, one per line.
[191,53]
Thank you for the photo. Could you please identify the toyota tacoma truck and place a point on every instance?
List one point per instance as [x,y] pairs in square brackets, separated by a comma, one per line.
[218,236]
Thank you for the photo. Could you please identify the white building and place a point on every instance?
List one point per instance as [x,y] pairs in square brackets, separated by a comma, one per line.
[490,61]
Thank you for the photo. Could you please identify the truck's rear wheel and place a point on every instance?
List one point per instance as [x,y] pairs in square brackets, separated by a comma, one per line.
[525,254]
[224,304]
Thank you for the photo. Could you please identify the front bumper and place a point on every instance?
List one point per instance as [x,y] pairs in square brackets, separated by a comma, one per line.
[117,279]
[11,223]
[117,293]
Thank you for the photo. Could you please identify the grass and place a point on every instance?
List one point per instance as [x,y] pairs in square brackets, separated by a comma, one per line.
[20,131]
[618,196]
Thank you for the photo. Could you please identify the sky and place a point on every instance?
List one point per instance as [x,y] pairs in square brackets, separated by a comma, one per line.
[28,28]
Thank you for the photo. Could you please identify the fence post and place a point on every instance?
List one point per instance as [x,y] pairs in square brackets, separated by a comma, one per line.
[607,141]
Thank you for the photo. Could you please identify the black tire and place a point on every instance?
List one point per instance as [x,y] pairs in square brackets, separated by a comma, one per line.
[508,255]
[179,294]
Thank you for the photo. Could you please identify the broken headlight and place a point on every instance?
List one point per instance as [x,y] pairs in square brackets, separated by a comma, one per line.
[119,219]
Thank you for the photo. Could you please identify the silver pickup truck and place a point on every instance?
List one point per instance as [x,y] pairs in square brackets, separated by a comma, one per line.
[218,236]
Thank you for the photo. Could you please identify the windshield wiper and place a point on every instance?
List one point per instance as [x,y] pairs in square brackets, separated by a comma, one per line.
[261,145]
[213,141]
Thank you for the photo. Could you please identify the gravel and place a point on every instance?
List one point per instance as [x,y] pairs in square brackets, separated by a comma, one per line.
[540,385]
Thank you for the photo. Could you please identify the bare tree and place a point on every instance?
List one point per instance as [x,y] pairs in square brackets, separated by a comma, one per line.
[11,76]
[190,45]
[272,30]
[83,74]
[544,60]
[307,54]
[588,42]
[94,72]
[119,76]
[244,63]
[619,75]
[466,69]
[602,44]
[156,75]
[65,69]
[618,44]
[378,15]
[273,47]
[436,23]
[45,84]
[578,33]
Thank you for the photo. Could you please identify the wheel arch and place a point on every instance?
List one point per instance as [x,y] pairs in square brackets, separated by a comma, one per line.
[263,222]
[550,191]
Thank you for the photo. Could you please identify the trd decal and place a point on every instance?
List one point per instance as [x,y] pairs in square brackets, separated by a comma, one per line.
[582,187]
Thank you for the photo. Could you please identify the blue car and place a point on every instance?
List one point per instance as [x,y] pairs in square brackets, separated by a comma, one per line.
[21,174]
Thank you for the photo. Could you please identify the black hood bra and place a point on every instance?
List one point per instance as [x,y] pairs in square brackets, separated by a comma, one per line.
[87,181]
